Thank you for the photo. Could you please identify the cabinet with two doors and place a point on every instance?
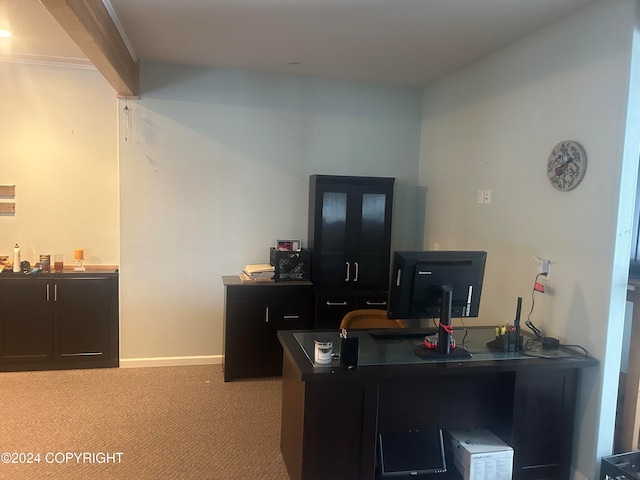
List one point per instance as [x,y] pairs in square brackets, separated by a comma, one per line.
[58,321]
[350,242]
[254,312]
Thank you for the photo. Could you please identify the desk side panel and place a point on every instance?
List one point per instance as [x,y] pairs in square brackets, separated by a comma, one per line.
[292,422]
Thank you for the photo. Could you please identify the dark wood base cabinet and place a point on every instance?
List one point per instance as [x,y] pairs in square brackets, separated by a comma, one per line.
[58,321]
[254,312]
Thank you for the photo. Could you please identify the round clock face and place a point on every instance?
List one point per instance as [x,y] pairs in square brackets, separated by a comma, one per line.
[566,165]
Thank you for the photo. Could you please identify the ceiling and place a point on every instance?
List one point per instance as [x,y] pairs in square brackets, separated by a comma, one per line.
[401,42]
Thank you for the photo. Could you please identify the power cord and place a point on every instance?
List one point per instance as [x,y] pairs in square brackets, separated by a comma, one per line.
[538,333]
[544,347]
[542,342]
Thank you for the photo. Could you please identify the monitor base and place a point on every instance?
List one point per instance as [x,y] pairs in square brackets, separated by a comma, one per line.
[423,352]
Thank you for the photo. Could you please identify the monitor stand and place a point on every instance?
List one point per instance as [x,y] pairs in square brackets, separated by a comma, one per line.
[444,332]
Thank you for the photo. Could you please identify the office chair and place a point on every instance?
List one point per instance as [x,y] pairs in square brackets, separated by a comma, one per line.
[370,318]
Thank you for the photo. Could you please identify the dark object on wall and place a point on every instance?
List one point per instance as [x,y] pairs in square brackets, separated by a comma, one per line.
[290,265]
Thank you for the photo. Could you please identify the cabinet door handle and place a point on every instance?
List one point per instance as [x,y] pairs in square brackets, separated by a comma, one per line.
[355,279]
[346,279]
[48,297]
[376,304]
[266,314]
[337,304]
[55,292]
[291,317]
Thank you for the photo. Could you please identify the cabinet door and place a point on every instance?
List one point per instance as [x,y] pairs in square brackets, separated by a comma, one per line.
[246,346]
[26,323]
[331,266]
[81,318]
[371,237]
[543,425]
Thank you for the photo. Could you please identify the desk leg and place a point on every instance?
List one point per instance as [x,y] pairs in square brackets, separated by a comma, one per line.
[328,428]
[292,421]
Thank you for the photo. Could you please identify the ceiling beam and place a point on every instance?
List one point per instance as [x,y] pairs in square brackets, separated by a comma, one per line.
[89,24]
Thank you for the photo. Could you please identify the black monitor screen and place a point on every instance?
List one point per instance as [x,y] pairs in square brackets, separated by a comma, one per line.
[410,454]
[417,278]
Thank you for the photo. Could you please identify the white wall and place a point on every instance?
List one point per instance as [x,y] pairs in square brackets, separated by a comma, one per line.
[59,145]
[215,168]
[492,126]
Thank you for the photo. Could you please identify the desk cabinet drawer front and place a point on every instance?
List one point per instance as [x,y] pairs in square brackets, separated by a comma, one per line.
[331,308]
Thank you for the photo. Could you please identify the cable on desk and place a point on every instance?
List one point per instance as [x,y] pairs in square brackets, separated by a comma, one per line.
[528,322]
[534,345]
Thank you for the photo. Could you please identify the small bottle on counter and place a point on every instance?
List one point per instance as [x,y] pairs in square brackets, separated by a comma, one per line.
[16,259]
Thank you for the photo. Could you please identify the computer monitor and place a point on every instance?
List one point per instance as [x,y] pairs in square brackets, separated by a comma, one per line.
[436,284]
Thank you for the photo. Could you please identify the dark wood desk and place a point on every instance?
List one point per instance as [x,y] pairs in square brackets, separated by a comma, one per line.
[331,417]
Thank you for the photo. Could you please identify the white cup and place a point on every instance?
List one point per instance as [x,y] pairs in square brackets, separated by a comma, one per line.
[323,351]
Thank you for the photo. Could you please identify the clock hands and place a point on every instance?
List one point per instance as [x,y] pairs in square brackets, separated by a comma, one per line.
[560,169]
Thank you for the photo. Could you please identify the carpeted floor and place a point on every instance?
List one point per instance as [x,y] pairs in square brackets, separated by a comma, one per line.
[139,423]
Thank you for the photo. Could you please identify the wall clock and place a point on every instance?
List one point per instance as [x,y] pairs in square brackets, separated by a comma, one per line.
[566,165]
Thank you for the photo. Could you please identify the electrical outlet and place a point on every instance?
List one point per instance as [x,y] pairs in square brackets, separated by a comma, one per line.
[480,196]
[544,267]
[487,196]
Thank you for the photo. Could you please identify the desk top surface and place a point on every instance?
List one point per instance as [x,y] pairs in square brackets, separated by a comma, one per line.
[376,353]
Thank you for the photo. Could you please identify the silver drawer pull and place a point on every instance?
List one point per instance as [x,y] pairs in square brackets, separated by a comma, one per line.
[84,354]
[291,317]
[337,304]
[346,279]
[266,314]
[377,304]
[48,296]
[355,279]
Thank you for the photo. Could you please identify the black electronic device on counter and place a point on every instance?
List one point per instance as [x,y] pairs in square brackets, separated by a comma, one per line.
[349,350]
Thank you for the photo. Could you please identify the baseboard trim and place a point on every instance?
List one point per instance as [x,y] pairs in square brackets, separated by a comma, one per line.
[171,361]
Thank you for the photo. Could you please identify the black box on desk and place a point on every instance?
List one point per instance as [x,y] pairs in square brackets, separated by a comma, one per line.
[624,466]
[291,265]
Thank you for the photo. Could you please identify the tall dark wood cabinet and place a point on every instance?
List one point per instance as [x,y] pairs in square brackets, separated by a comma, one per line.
[350,240]
[254,312]
[59,321]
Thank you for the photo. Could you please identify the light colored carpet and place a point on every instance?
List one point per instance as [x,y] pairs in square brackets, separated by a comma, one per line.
[155,423]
